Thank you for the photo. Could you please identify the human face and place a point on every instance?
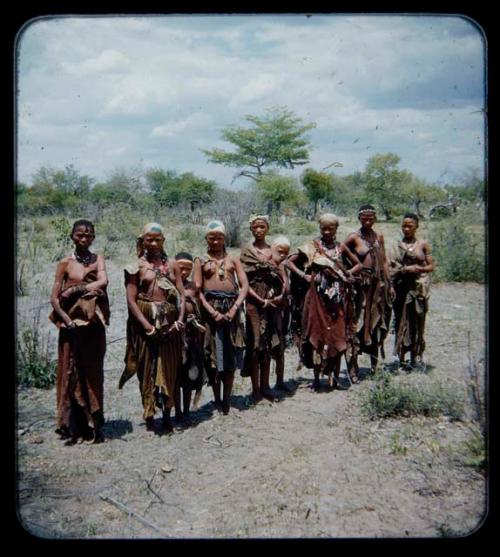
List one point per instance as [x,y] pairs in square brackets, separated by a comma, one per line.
[185,267]
[153,242]
[367,220]
[82,237]
[328,231]
[215,241]
[409,228]
[281,252]
[259,229]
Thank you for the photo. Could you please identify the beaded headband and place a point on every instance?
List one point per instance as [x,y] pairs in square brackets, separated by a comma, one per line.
[253,218]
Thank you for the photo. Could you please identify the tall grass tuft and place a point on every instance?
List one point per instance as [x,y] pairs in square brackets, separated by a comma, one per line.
[36,366]
[410,396]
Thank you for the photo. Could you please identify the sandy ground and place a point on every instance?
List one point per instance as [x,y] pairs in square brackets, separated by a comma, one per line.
[310,465]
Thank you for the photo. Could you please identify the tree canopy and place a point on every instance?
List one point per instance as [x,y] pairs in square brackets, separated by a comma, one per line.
[384,180]
[317,185]
[276,189]
[276,140]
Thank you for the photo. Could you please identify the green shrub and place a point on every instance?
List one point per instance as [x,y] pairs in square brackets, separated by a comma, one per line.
[410,396]
[458,251]
[35,366]
[297,226]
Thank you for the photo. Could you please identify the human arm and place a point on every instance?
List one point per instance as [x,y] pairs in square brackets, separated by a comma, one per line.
[56,292]
[179,323]
[356,263]
[102,277]
[243,291]
[132,291]
[197,274]
[387,276]
[291,264]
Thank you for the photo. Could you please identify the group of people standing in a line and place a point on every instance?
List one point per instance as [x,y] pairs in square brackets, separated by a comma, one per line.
[193,320]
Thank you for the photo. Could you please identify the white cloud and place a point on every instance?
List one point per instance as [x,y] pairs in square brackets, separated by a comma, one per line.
[174,128]
[107,91]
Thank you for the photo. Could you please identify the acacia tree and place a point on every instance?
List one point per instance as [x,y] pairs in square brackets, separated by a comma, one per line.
[317,185]
[276,140]
[384,181]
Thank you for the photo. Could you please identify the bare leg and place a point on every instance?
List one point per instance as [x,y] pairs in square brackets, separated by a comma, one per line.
[186,401]
[265,369]
[197,397]
[280,374]
[315,384]
[215,381]
[336,370]
[374,360]
[255,378]
[167,422]
[228,379]
[177,400]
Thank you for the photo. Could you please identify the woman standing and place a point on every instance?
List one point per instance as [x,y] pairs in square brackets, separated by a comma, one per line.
[155,299]
[373,294]
[223,286]
[323,316]
[81,312]
[266,294]
[410,265]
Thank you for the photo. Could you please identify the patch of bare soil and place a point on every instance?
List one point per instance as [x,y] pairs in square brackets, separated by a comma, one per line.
[310,465]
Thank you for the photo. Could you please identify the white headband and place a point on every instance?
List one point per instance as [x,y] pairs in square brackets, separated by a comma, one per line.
[215,226]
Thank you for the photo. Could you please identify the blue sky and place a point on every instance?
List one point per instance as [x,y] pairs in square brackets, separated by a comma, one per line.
[111,93]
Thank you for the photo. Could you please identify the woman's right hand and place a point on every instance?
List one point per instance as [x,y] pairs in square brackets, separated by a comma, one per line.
[150,330]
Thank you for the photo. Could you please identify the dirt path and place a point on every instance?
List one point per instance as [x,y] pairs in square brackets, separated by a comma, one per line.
[309,465]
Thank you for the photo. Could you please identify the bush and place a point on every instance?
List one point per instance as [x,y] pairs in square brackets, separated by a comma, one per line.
[475,450]
[35,367]
[458,251]
[62,227]
[410,396]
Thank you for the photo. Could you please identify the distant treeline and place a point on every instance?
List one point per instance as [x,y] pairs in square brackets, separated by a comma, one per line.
[391,189]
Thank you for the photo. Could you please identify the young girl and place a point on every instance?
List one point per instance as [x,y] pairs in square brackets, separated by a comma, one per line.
[410,265]
[193,374]
[373,293]
[81,311]
[263,308]
[223,287]
[280,249]
[155,299]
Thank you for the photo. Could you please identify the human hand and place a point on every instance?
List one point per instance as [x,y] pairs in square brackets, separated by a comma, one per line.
[219,317]
[412,269]
[392,293]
